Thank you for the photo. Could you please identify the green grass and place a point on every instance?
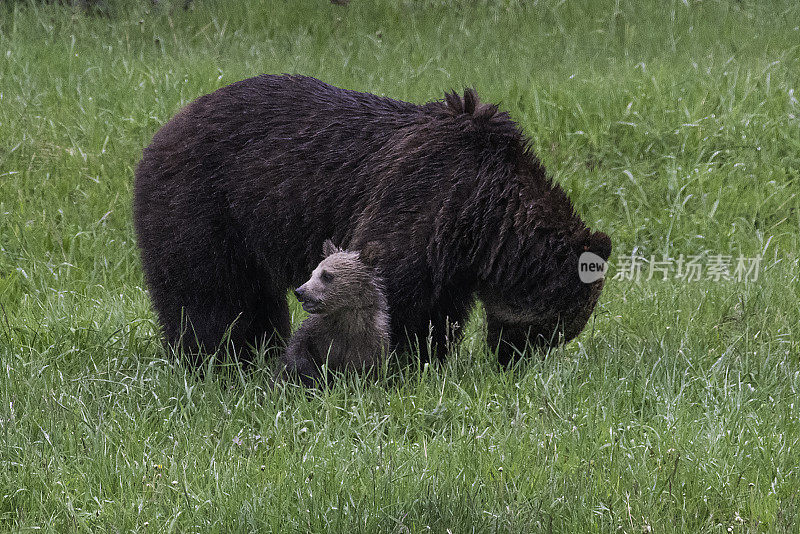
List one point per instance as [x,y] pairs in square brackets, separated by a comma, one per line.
[674,125]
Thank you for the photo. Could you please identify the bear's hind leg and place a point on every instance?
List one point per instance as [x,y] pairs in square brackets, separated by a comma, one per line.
[270,326]
[209,324]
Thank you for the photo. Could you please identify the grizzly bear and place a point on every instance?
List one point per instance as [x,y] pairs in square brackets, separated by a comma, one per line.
[349,323]
[236,194]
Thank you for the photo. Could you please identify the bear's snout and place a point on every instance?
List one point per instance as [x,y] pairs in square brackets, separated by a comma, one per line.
[600,244]
[309,303]
[300,293]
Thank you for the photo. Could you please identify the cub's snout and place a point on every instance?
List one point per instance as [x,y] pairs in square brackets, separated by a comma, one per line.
[309,303]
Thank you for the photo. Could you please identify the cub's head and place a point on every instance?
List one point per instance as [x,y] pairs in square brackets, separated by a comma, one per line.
[342,281]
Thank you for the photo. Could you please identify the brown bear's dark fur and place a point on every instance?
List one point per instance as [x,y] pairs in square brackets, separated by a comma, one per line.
[235,195]
[349,323]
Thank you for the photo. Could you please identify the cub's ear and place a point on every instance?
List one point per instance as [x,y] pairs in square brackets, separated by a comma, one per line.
[329,248]
[370,253]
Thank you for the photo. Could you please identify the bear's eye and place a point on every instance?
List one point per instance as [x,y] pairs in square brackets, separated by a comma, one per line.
[326,276]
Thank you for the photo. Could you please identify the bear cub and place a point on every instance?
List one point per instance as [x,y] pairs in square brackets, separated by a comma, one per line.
[348,325]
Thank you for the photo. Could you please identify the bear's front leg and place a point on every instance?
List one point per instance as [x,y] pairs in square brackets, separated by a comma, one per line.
[508,340]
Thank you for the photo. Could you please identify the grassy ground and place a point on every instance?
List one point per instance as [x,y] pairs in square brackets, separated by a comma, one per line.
[674,126]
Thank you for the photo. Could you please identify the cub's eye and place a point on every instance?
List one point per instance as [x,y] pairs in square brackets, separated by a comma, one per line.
[326,276]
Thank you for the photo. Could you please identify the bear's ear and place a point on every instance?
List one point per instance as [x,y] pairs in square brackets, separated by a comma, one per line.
[458,105]
[370,253]
[469,104]
[329,248]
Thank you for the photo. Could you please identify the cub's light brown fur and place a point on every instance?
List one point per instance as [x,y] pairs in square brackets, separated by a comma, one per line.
[349,323]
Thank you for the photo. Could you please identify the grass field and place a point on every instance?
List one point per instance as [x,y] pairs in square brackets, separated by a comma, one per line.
[675,127]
